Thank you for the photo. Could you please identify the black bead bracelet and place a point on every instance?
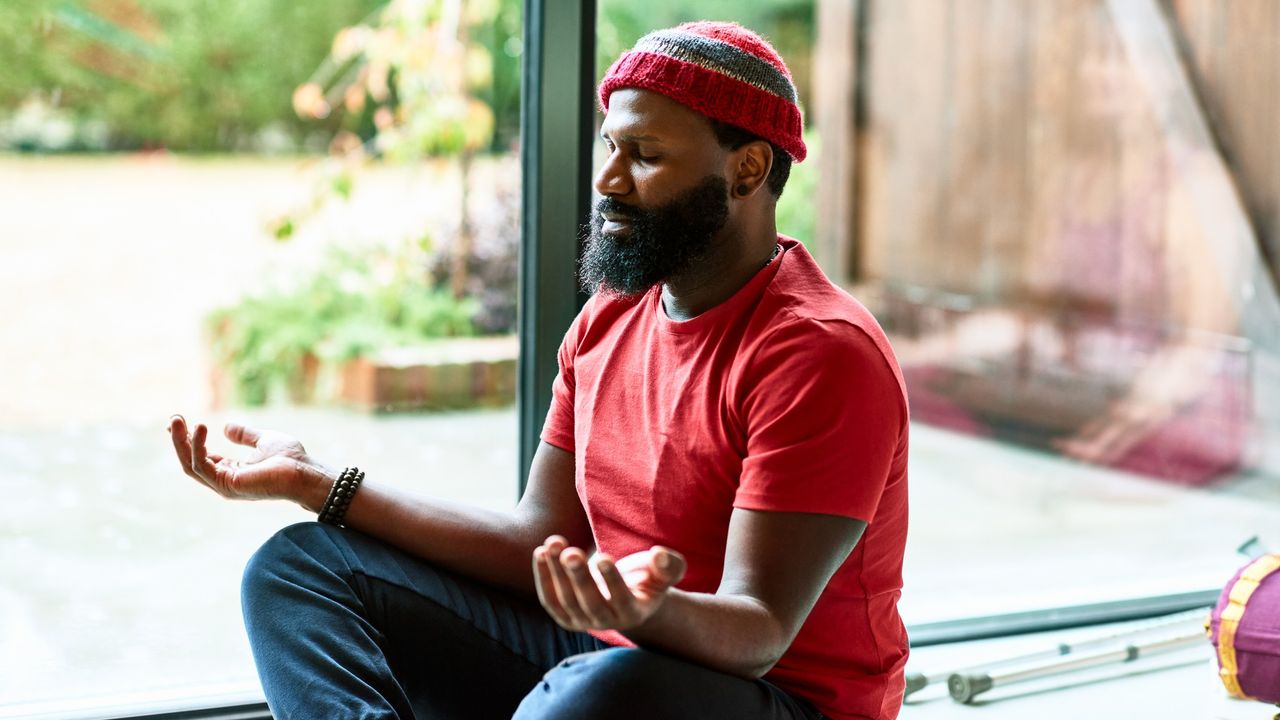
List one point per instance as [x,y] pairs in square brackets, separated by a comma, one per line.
[344,488]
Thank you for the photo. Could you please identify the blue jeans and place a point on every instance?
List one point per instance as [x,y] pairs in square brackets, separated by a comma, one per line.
[344,626]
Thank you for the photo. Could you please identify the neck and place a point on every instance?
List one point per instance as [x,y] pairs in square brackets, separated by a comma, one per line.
[739,255]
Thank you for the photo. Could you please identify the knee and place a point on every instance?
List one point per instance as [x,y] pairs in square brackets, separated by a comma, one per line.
[614,683]
[284,560]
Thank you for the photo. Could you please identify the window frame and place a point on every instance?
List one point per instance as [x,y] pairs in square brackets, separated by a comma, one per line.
[557,109]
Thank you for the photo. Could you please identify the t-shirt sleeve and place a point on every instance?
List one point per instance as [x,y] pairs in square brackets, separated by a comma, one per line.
[824,415]
[557,430]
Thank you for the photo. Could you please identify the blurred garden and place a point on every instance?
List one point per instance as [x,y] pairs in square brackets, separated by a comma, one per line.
[376,144]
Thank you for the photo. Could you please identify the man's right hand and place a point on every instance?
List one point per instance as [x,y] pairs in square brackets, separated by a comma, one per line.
[278,467]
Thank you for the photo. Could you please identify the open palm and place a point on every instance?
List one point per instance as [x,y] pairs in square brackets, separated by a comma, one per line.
[270,470]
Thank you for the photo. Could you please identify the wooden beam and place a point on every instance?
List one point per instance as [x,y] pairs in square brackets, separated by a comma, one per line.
[835,93]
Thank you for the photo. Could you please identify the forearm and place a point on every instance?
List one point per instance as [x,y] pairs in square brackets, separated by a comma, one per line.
[730,633]
[490,546]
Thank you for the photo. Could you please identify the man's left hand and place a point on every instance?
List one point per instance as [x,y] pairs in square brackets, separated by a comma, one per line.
[596,593]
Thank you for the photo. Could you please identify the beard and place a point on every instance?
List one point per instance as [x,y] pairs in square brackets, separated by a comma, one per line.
[664,242]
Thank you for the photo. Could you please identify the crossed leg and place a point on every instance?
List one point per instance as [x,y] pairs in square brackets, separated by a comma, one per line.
[344,626]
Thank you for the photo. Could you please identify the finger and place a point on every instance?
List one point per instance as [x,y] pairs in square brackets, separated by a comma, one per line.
[667,566]
[241,435]
[546,588]
[200,455]
[623,603]
[596,562]
[564,588]
[590,599]
[181,444]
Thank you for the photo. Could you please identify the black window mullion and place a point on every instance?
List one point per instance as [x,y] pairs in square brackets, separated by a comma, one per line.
[556,128]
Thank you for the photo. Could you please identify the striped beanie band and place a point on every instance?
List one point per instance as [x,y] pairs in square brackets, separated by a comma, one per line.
[721,70]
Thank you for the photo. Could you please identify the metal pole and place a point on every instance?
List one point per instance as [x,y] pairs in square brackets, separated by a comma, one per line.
[965,687]
[919,681]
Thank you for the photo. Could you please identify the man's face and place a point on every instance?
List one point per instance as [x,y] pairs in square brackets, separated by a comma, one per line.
[664,194]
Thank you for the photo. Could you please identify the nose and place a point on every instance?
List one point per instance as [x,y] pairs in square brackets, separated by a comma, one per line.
[612,179]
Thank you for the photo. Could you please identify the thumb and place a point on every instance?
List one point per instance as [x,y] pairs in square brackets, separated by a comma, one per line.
[666,565]
[241,435]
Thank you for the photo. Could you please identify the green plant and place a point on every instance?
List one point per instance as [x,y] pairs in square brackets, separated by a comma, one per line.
[354,304]
[797,209]
[422,72]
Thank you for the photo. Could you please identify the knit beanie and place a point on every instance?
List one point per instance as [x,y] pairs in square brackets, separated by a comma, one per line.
[721,70]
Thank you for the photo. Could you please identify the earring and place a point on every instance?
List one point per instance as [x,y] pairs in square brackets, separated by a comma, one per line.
[742,189]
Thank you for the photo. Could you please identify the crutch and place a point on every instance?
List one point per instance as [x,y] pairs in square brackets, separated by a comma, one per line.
[965,687]
[919,681]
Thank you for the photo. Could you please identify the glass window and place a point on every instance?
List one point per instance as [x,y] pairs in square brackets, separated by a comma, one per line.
[304,217]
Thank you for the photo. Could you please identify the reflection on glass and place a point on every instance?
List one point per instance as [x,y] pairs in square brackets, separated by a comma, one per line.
[1050,234]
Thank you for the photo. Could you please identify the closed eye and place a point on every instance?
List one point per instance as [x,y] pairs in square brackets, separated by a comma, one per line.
[646,159]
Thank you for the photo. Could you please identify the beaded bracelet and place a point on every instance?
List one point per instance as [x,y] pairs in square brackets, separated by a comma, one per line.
[344,488]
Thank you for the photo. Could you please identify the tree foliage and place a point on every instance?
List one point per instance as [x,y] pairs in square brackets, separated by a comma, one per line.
[219,75]
[416,70]
[189,75]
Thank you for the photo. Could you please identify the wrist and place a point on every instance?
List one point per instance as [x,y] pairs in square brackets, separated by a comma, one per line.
[656,619]
[315,481]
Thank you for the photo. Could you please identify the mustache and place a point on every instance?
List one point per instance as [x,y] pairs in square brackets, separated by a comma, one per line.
[615,207]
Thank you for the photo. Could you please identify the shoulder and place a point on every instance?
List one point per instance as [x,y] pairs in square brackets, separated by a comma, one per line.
[804,317]
[829,356]
[803,290]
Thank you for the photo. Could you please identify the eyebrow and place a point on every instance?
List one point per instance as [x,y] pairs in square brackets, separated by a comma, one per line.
[631,138]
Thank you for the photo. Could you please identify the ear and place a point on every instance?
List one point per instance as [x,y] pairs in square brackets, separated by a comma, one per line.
[749,169]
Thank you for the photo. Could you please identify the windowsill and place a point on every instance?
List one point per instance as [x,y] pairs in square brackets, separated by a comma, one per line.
[177,702]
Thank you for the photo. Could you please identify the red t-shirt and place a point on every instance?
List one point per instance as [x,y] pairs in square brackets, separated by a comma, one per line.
[785,397]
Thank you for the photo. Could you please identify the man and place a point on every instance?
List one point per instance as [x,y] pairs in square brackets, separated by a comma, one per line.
[728,433]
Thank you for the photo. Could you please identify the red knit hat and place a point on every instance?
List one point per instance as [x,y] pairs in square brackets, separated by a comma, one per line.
[721,70]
